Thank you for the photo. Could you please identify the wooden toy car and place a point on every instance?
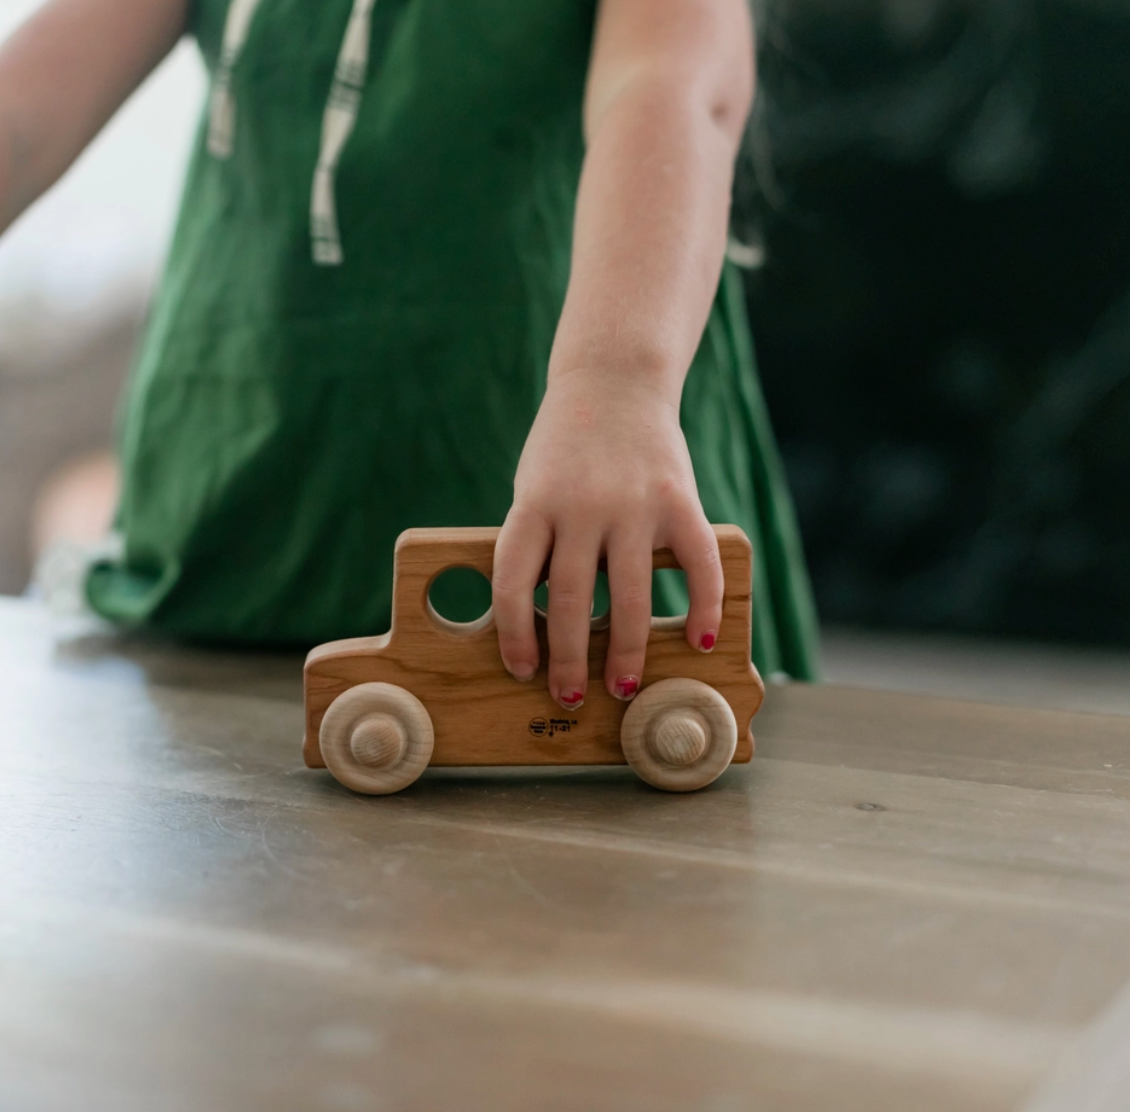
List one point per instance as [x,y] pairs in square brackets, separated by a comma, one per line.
[433,691]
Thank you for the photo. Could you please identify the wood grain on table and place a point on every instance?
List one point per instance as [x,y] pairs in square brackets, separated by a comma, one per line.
[902,903]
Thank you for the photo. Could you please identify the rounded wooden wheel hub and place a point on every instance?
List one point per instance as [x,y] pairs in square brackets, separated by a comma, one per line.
[679,734]
[378,741]
[679,739]
[376,738]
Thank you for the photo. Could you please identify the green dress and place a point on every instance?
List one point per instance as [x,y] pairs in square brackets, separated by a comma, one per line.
[352,333]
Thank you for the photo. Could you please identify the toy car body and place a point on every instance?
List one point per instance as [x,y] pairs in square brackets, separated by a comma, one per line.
[433,691]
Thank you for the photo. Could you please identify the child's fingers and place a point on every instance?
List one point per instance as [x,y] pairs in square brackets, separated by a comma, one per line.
[519,556]
[629,582]
[696,548]
[572,575]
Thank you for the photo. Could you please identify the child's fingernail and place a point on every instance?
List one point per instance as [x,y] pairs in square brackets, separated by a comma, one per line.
[627,686]
[524,673]
[707,642]
[572,699]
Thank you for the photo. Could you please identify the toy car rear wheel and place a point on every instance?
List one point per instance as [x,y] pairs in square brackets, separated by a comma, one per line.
[679,734]
[376,738]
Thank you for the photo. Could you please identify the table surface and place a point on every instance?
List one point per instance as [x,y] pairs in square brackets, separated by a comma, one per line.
[902,903]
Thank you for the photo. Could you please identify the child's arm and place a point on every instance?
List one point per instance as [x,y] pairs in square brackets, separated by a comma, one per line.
[606,467]
[63,74]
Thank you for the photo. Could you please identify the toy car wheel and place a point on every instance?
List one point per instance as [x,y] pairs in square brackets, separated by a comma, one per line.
[679,734]
[376,738]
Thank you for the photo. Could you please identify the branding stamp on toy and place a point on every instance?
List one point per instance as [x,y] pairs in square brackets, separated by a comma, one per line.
[547,727]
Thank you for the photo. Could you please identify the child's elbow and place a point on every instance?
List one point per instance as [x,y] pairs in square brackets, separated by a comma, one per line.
[716,97]
[732,76]
[720,93]
[730,96]
[696,60]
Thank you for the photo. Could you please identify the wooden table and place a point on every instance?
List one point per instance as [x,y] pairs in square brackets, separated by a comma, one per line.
[903,903]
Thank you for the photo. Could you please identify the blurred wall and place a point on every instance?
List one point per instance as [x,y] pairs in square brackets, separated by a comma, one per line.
[941,192]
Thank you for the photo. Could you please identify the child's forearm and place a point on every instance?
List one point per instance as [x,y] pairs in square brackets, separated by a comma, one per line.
[664,116]
[63,74]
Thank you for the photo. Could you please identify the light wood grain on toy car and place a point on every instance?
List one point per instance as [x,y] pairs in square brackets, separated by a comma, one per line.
[482,715]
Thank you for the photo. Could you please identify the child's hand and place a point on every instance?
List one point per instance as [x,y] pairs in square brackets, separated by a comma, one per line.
[605,471]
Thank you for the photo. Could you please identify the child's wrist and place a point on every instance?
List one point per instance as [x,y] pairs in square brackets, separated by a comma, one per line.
[633,382]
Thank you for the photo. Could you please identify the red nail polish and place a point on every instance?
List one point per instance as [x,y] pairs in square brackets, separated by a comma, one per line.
[573,700]
[627,686]
[707,642]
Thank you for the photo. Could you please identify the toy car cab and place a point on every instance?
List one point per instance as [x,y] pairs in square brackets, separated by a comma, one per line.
[432,691]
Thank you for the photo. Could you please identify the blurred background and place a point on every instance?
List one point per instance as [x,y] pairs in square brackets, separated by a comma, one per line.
[934,211]
[943,315]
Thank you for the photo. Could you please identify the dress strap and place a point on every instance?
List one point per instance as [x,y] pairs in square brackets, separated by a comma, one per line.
[337,125]
[221,122]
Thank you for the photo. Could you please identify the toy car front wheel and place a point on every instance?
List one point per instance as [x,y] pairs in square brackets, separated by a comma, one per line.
[376,738]
[679,734]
